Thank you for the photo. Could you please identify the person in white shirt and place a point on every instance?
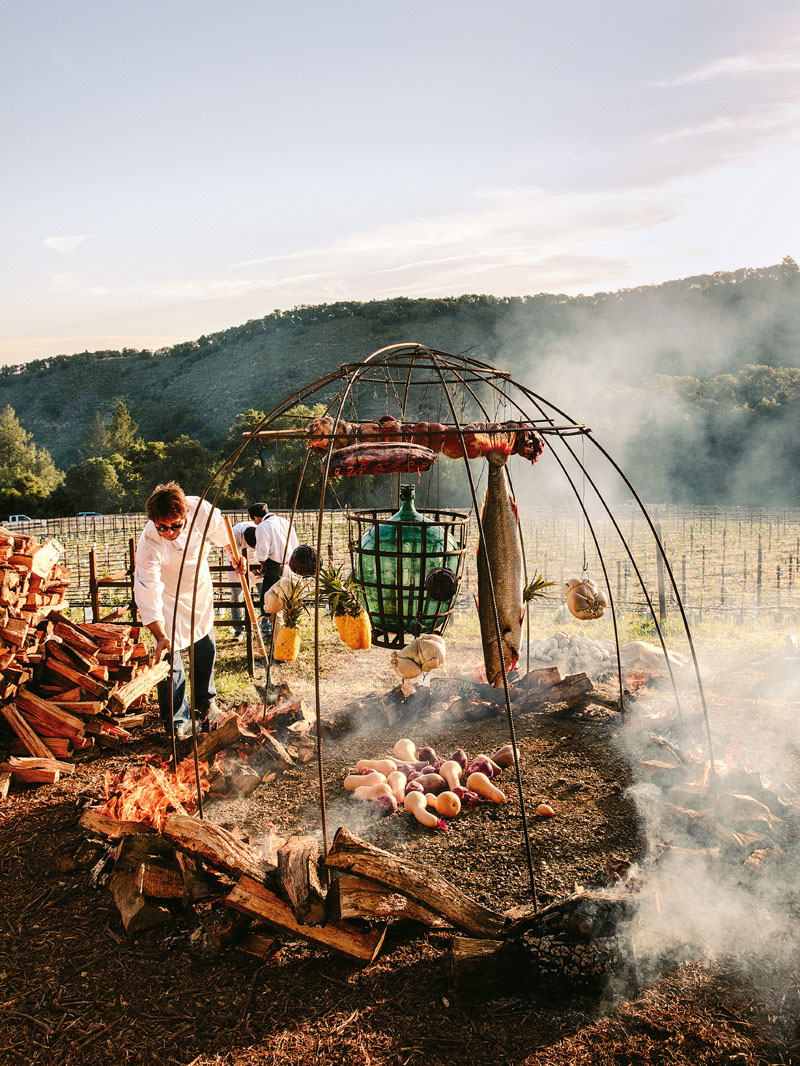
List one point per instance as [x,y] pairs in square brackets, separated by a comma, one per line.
[275,542]
[244,536]
[164,544]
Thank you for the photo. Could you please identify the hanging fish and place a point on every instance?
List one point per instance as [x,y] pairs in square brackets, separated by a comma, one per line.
[499,519]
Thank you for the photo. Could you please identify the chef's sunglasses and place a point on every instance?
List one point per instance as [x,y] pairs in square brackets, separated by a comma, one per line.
[164,527]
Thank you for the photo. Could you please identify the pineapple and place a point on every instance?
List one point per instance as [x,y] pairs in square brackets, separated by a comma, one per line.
[287,641]
[344,601]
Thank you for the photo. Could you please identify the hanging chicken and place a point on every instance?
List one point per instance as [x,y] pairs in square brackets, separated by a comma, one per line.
[584,599]
[422,655]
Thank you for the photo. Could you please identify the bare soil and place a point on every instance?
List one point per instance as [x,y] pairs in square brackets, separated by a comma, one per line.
[75,989]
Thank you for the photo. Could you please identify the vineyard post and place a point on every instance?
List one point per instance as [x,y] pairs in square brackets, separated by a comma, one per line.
[662,595]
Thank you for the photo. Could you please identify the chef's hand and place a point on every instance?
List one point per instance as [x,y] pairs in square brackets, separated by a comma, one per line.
[160,639]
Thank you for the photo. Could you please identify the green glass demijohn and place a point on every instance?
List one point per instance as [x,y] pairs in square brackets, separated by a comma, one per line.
[395,557]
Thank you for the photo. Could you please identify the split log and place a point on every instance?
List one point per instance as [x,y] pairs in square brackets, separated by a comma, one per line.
[31,740]
[419,883]
[121,699]
[260,945]
[210,743]
[94,821]
[358,897]
[252,898]
[5,784]
[57,747]
[484,964]
[34,770]
[276,751]
[137,913]
[300,881]
[220,848]
[46,717]
[76,677]
[197,885]
[158,881]
[72,634]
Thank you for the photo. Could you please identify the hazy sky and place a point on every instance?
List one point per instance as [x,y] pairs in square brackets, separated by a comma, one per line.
[175,167]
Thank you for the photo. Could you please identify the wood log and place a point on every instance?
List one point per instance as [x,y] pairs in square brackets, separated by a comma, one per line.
[75,677]
[197,885]
[30,740]
[121,698]
[5,784]
[358,897]
[73,635]
[276,751]
[481,964]
[58,747]
[220,848]
[46,717]
[419,883]
[28,768]
[137,913]
[261,945]
[45,556]
[95,821]
[82,707]
[570,690]
[158,881]
[208,744]
[300,879]
[255,899]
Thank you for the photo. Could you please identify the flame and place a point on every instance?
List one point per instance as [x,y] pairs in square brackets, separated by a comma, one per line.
[148,792]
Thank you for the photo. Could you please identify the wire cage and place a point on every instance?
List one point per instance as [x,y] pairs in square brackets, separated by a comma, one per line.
[392,554]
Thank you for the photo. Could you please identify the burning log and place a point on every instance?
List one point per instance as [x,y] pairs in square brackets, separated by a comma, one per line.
[95,821]
[253,898]
[419,883]
[221,849]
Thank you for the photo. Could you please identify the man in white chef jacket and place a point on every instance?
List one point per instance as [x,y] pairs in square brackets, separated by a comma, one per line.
[275,542]
[164,544]
[244,536]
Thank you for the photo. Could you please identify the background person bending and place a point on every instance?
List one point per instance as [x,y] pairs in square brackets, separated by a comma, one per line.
[164,543]
[272,534]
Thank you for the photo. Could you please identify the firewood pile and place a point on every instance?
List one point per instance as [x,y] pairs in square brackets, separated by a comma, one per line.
[719,815]
[64,686]
[458,699]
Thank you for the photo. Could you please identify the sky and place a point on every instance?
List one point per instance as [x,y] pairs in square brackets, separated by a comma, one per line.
[176,167]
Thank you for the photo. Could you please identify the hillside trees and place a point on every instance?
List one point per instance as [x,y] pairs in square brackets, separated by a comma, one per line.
[27,474]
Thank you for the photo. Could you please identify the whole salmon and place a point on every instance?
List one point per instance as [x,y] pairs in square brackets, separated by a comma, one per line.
[499,518]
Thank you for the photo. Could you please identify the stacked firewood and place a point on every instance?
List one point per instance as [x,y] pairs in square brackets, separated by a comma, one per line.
[63,686]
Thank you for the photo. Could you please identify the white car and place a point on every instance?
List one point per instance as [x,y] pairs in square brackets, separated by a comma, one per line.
[24,523]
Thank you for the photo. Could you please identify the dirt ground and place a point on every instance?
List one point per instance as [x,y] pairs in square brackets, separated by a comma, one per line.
[75,989]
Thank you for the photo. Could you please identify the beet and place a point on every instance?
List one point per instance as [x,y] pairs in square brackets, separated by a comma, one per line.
[303,560]
[427,755]
[441,584]
[460,756]
[384,804]
[482,766]
[414,786]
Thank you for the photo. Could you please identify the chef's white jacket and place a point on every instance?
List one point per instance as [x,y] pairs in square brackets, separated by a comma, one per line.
[244,550]
[158,563]
[271,535]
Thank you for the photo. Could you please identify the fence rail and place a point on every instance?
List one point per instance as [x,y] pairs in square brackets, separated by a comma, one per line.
[741,562]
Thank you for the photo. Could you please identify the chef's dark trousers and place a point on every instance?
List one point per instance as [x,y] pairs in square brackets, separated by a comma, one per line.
[205,654]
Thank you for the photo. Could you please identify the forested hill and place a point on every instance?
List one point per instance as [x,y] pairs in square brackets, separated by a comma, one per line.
[702,326]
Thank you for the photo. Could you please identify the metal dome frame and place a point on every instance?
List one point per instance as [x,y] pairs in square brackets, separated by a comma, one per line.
[455,376]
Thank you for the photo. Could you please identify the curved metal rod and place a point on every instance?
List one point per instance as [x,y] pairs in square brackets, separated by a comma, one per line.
[498,633]
[581,465]
[713,769]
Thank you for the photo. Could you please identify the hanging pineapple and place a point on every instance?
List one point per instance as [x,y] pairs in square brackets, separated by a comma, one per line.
[344,601]
[287,642]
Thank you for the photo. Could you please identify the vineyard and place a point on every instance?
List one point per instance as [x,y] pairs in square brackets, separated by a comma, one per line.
[738,563]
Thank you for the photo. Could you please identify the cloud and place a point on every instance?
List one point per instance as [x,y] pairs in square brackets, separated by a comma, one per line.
[74,285]
[66,245]
[734,67]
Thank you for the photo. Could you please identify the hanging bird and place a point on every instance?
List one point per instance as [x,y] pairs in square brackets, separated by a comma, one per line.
[584,598]
[420,656]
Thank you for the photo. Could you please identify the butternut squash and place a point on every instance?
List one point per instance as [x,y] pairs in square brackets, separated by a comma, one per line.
[416,804]
[353,781]
[383,766]
[481,784]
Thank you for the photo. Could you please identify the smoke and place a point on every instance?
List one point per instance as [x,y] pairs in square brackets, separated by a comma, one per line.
[658,374]
[719,879]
